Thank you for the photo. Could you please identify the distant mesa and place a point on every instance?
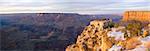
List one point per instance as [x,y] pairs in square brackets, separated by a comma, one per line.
[143,16]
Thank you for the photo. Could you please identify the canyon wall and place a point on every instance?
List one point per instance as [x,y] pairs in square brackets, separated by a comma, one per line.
[137,15]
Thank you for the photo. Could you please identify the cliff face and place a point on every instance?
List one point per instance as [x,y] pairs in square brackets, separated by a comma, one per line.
[94,38]
[137,15]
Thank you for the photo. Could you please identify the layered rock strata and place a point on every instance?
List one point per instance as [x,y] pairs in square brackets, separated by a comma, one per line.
[137,15]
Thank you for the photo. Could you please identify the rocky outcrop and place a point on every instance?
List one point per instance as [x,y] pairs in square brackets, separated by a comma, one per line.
[94,37]
[137,15]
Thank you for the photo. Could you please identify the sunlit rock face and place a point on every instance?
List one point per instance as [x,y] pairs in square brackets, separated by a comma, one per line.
[94,37]
[137,15]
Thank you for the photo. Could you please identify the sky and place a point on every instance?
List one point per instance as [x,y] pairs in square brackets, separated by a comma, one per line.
[73,6]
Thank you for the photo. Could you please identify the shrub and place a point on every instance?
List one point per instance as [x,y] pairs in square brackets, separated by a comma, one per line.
[134,27]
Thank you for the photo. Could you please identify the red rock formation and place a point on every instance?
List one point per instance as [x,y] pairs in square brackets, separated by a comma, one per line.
[137,15]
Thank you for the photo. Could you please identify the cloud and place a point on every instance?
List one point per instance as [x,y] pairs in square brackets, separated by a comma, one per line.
[73,6]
